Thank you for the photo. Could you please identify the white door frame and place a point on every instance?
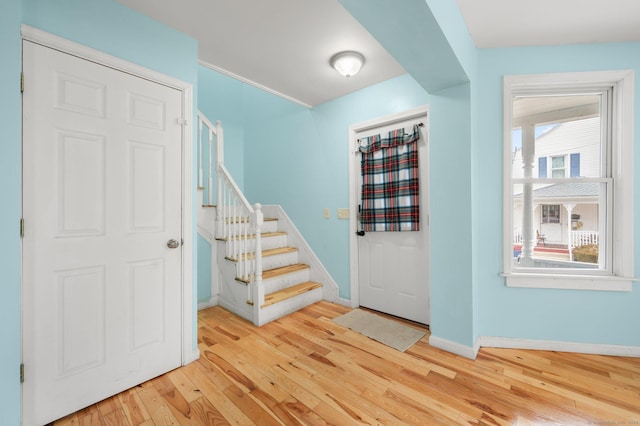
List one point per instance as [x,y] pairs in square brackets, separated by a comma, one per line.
[354,254]
[189,353]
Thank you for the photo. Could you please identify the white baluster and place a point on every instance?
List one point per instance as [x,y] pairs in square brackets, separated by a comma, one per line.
[246,249]
[200,171]
[210,187]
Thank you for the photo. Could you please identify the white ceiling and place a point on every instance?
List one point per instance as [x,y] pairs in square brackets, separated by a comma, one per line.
[284,46]
[509,23]
[281,45]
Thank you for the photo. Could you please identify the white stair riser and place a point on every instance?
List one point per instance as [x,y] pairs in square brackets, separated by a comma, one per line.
[269,226]
[207,219]
[278,260]
[271,242]
[277,310]
[284,281]
[275,261]
[276,241]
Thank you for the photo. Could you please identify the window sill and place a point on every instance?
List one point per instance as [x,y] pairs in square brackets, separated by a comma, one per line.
[568,282]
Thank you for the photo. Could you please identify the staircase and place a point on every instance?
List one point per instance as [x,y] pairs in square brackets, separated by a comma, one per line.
[265,269]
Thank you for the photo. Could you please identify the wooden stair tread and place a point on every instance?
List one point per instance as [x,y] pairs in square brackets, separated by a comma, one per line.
[275,272]
[252,236]
[289,292]
[267,253]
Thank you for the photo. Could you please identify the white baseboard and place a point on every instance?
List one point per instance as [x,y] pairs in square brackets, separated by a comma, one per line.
[213,301]
[550,345]
[345,302]
[532,344]
[453,347]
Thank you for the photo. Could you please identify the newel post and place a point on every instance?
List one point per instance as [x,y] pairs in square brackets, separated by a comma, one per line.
[258,299]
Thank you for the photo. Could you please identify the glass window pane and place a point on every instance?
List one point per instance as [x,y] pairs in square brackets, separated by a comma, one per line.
[560,231]
[572,127]
[557,162]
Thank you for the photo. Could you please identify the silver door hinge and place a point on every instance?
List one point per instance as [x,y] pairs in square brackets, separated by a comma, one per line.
[21,373]
[21,82]
[181,121]
[21,228]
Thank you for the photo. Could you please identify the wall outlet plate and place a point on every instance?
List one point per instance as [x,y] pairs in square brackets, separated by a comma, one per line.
[343,213]
[327,213]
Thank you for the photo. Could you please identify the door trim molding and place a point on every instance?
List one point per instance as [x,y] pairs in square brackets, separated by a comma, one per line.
[354,129]
[189,350]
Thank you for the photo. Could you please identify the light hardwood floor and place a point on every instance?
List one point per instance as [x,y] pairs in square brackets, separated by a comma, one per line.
[305,369]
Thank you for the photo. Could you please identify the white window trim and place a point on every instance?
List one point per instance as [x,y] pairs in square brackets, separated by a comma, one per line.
[622,160]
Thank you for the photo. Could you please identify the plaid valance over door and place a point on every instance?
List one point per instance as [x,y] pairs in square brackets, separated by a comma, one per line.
[390,181]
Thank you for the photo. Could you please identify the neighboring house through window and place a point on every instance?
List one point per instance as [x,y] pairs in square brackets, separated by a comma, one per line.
[581,195]
[558,166]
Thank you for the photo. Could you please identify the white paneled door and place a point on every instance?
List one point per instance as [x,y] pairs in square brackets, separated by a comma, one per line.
[392,267]
[102,240]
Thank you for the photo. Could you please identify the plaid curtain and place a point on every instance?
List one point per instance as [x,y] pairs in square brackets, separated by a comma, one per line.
[390,181]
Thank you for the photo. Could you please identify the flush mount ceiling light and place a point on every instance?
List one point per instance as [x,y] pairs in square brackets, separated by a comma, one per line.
[347,63]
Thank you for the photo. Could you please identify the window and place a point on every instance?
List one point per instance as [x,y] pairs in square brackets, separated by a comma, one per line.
[579,128]
[551,213]
[557,167]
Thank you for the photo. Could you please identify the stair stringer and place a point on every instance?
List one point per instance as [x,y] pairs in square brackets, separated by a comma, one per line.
[206,230]
[233,295]
[306,255]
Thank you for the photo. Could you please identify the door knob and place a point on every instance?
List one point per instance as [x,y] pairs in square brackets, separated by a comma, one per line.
[173,244]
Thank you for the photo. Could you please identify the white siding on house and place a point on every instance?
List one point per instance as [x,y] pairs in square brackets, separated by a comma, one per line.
[581,136]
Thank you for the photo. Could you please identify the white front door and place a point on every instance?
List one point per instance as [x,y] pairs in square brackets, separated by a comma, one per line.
[101,199]
[392,267]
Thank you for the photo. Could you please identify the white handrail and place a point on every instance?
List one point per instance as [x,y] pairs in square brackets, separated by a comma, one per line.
[237,221]
[206,122]
[222,170]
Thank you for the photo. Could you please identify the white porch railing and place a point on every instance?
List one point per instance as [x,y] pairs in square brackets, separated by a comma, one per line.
[237,222]
[582,238]
[517,236]
[578,238]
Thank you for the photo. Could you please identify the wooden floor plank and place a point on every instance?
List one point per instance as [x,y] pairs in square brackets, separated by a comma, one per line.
[305,369]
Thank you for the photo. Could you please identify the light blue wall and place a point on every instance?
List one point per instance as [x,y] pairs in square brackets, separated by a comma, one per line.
[451,264]
[298,158]
[414,36]
[110,27]
[204,270]
[225,99]
[104,25]
[575,316]
[10,194]
[300,161]
[430,40]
